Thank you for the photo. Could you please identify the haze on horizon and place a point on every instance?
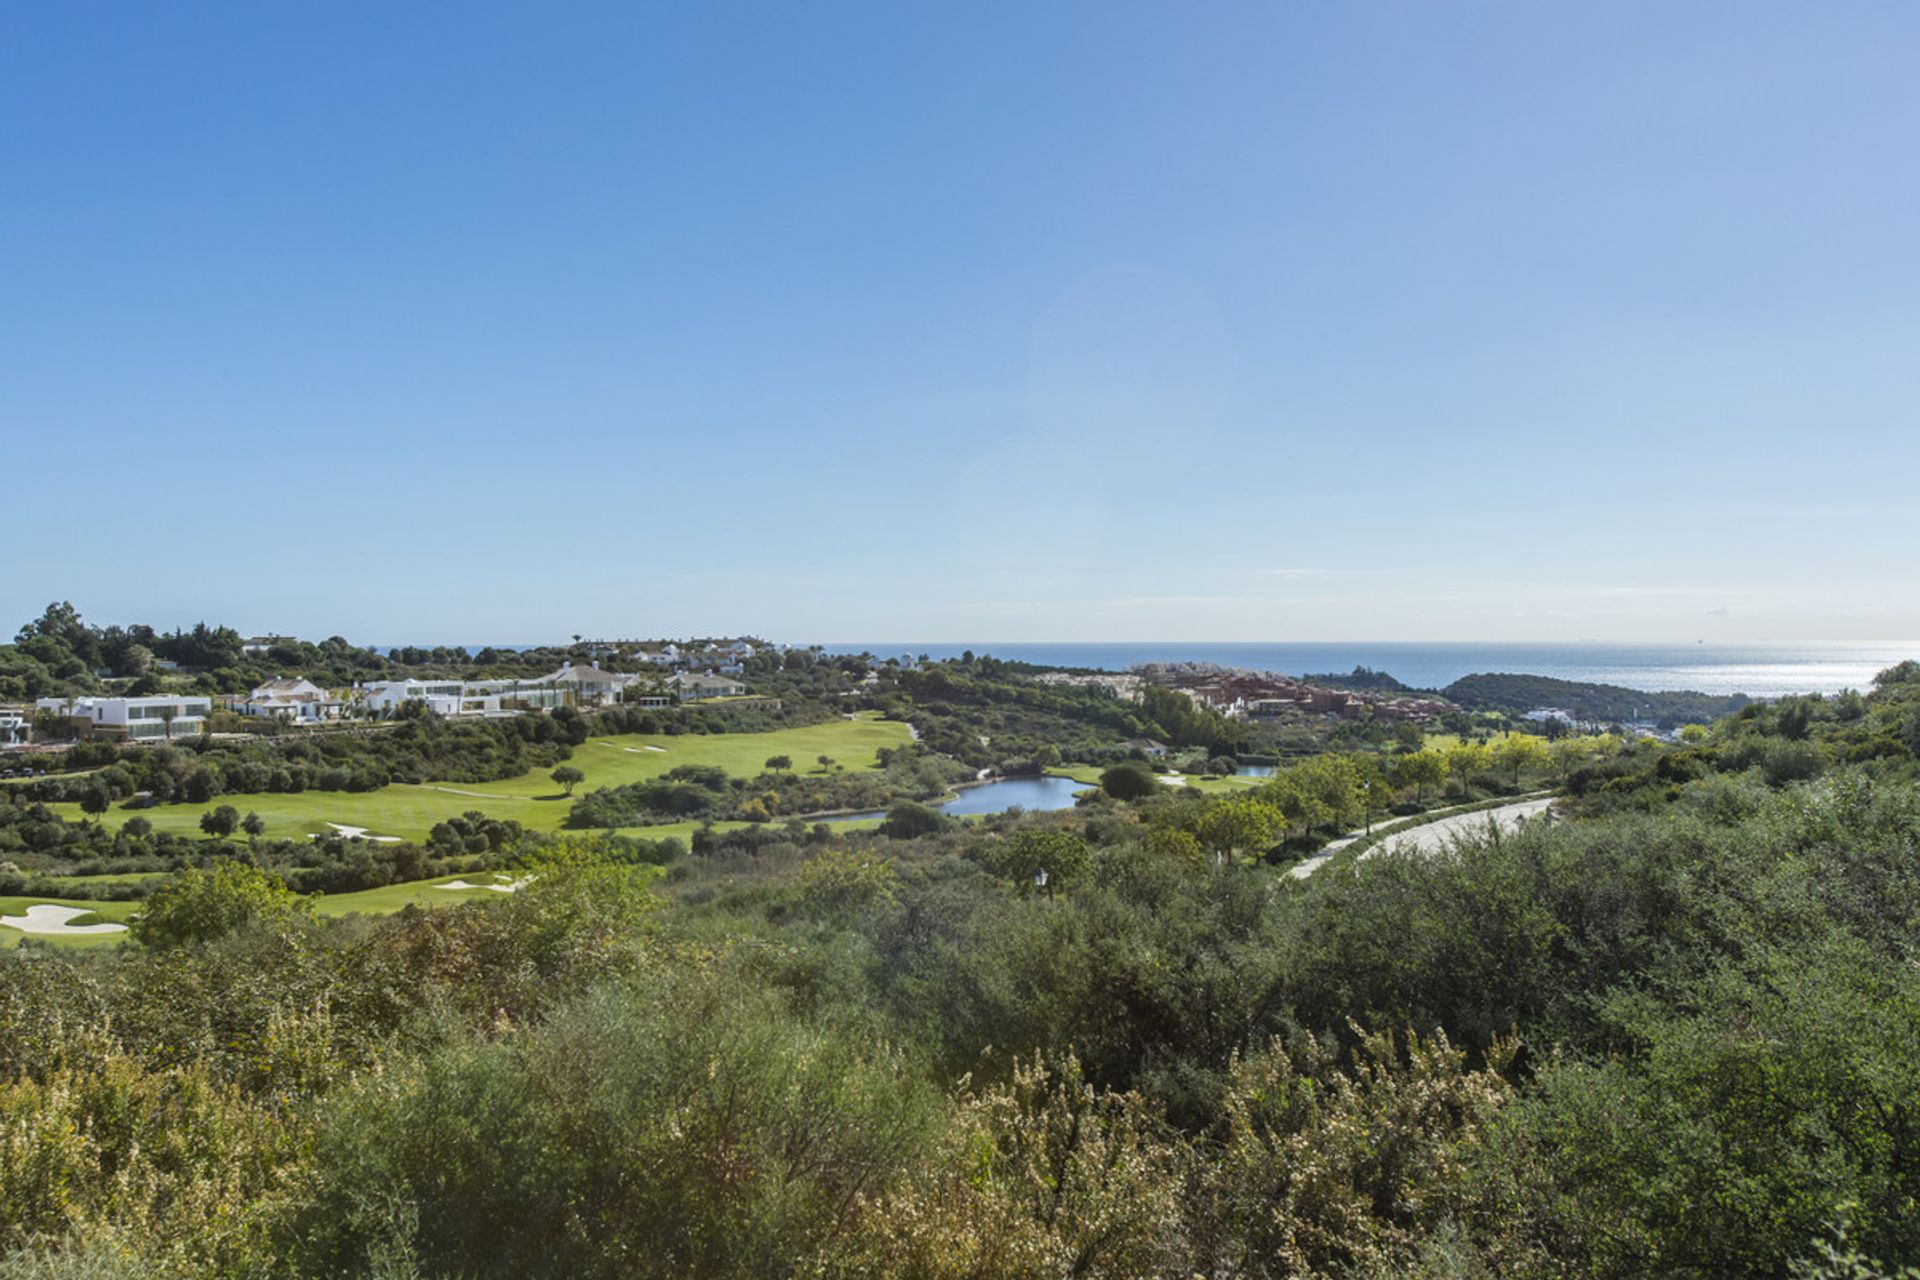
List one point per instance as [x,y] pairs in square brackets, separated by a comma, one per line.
[1492,322]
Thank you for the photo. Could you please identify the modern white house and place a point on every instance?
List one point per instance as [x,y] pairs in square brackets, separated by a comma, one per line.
[16,727]
[462,697]
[135,719]
[260,644]
[300,701]
[691,686]
[664,656]
[588,686]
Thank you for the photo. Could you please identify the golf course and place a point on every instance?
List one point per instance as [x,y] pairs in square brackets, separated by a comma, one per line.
[408,811]
[405,811]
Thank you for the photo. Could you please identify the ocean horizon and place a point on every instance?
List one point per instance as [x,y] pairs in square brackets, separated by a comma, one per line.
[1757,670]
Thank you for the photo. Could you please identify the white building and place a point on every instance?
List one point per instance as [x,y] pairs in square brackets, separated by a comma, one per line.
[135,719]
[16,727]
[300,701]
[692,686]
[586,686]
[463,697]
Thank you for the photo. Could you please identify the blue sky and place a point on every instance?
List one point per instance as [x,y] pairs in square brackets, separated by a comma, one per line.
[912,322]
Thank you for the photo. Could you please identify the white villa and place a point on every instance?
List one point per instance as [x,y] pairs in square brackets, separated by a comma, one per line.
[588,685]
[692,686]
[463,697]
[136,719]
[16,727]
[301,701]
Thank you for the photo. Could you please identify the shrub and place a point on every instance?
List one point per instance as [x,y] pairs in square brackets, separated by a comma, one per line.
[1129,781]
[205,903]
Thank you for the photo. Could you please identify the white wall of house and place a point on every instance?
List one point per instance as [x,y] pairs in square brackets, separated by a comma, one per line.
[139,719]
[462,698]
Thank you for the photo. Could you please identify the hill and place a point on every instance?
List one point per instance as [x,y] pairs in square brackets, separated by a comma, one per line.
[1606,703]
[1360,680]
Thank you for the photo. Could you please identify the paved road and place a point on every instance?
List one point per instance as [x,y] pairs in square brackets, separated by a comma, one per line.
[1432,837]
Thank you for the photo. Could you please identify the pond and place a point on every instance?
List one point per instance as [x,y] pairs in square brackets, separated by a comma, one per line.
[1001,795]
[1254,771]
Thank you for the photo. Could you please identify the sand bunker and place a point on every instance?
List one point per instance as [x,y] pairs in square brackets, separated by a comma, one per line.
[638,750]
[360,833]
[49,921]
[509,886]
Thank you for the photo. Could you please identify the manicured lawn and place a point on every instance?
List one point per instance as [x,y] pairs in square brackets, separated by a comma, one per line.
[532,799]
[1217,786]
[390,898]
[426,893]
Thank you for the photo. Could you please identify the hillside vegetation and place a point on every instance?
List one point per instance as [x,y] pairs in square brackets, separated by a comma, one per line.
[1670,1034]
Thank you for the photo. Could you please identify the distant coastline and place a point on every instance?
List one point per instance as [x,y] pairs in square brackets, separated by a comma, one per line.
[1758,670]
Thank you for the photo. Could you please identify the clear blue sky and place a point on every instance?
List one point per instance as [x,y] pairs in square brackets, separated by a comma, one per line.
[1276,321]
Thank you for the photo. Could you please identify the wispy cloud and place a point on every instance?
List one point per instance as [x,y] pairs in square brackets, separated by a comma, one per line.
[1294,573]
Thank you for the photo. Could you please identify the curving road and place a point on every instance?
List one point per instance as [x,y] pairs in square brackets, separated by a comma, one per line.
[1431,837]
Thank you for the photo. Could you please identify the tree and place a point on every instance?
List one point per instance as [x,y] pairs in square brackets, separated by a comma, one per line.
[220,821]
[1179,847]
[253,825]
[1130,780]
[202,903]
[1302,809]
[1035,859]
[907,821]
[1238,824]
[568,777]
[1466,759]
[1420,770]
[1569,753]
[95,799]
[826,763]
[779,764]
[1519,753]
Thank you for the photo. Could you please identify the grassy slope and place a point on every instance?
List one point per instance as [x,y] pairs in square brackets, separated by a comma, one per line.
[532,799]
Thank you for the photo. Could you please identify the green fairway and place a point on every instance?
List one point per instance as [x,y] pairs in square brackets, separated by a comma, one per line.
[409,812]
[426,893]
[1090,774]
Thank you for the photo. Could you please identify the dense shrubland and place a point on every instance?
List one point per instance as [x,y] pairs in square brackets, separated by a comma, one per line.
[1675,1036]
[701,791]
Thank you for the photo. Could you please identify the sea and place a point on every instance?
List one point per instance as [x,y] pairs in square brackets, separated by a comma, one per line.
[1757,670]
